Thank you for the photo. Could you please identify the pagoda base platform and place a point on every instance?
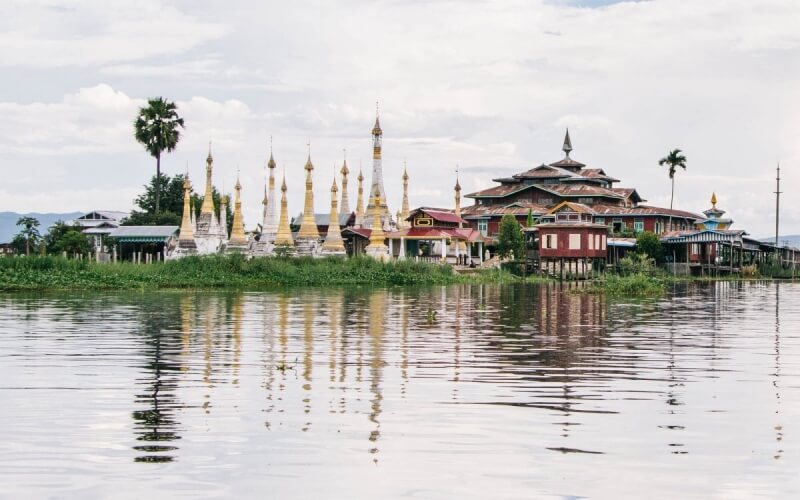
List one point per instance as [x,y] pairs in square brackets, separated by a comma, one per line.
[307,247]
[378,252]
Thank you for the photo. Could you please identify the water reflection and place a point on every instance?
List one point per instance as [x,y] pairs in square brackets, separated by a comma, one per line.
[334,377]
[156,426]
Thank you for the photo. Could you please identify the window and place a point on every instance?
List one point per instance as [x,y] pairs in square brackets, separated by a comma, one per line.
[597,242]
[638,225]
[659,226]
[602,242]
[549,241]
[483,226]
[599,220]
[574,241]
[591,242]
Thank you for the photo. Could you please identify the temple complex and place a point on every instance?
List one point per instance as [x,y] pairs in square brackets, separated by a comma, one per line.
[575,218]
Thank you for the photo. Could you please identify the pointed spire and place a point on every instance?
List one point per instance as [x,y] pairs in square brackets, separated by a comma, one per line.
[376,130]
[404,212]
[284,235]
[187,230]
[208,198]
[714,201]
[308,226]
[238,236]
[567,148]
[345,209]
[360,200]
[222,219]
[333,240]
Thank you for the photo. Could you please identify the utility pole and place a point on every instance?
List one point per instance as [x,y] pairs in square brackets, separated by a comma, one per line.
[777,205]
[778,213]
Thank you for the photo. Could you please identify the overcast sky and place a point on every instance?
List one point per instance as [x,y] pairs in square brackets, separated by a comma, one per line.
[486,85]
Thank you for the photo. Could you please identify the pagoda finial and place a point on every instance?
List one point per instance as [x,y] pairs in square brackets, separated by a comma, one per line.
[458,184]
[714,201]
[376,130]
[567,148]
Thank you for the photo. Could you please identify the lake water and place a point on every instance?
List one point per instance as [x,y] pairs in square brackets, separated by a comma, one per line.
[476,391]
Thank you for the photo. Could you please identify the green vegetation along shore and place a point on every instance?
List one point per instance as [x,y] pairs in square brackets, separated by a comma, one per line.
[44,273]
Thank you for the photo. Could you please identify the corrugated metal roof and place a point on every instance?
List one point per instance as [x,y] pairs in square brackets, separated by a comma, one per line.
[144,231]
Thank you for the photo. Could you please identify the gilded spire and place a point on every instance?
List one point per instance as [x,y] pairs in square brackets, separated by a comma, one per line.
[238,237]
[345,196]
[333,240]
[187,231]
[308,226]
[284,236]
[714,201]
[377,236]
[360,201]
[208,198]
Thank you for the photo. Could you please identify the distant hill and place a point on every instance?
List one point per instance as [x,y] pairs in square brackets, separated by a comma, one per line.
[792,240]
[8,222]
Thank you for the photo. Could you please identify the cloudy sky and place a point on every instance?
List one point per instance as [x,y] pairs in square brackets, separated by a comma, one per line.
[488,85]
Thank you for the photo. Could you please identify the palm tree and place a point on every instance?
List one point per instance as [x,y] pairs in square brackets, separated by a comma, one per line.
[157,128]
[674,159]
[30,231]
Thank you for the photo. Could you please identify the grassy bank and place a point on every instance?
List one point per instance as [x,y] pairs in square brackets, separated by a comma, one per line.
[56,273]
[632,285]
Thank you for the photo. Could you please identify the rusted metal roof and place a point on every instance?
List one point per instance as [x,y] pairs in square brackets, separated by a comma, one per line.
[611,210]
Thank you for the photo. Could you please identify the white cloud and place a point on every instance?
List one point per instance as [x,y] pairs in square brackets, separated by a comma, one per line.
[44,34]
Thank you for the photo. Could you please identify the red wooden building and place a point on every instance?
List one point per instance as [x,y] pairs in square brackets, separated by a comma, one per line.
[540,189]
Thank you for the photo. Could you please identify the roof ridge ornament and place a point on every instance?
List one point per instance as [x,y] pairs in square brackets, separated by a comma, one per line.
[567,148]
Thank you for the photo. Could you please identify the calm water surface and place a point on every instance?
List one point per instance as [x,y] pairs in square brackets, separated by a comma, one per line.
[461,391]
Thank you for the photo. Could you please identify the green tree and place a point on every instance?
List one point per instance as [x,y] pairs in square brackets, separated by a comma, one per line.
[18,244]
[30,231]
[170,193]
[63,237]
[157,128]
[74,242]
[649,244]
[674,159]
[530,218]
[510,238]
